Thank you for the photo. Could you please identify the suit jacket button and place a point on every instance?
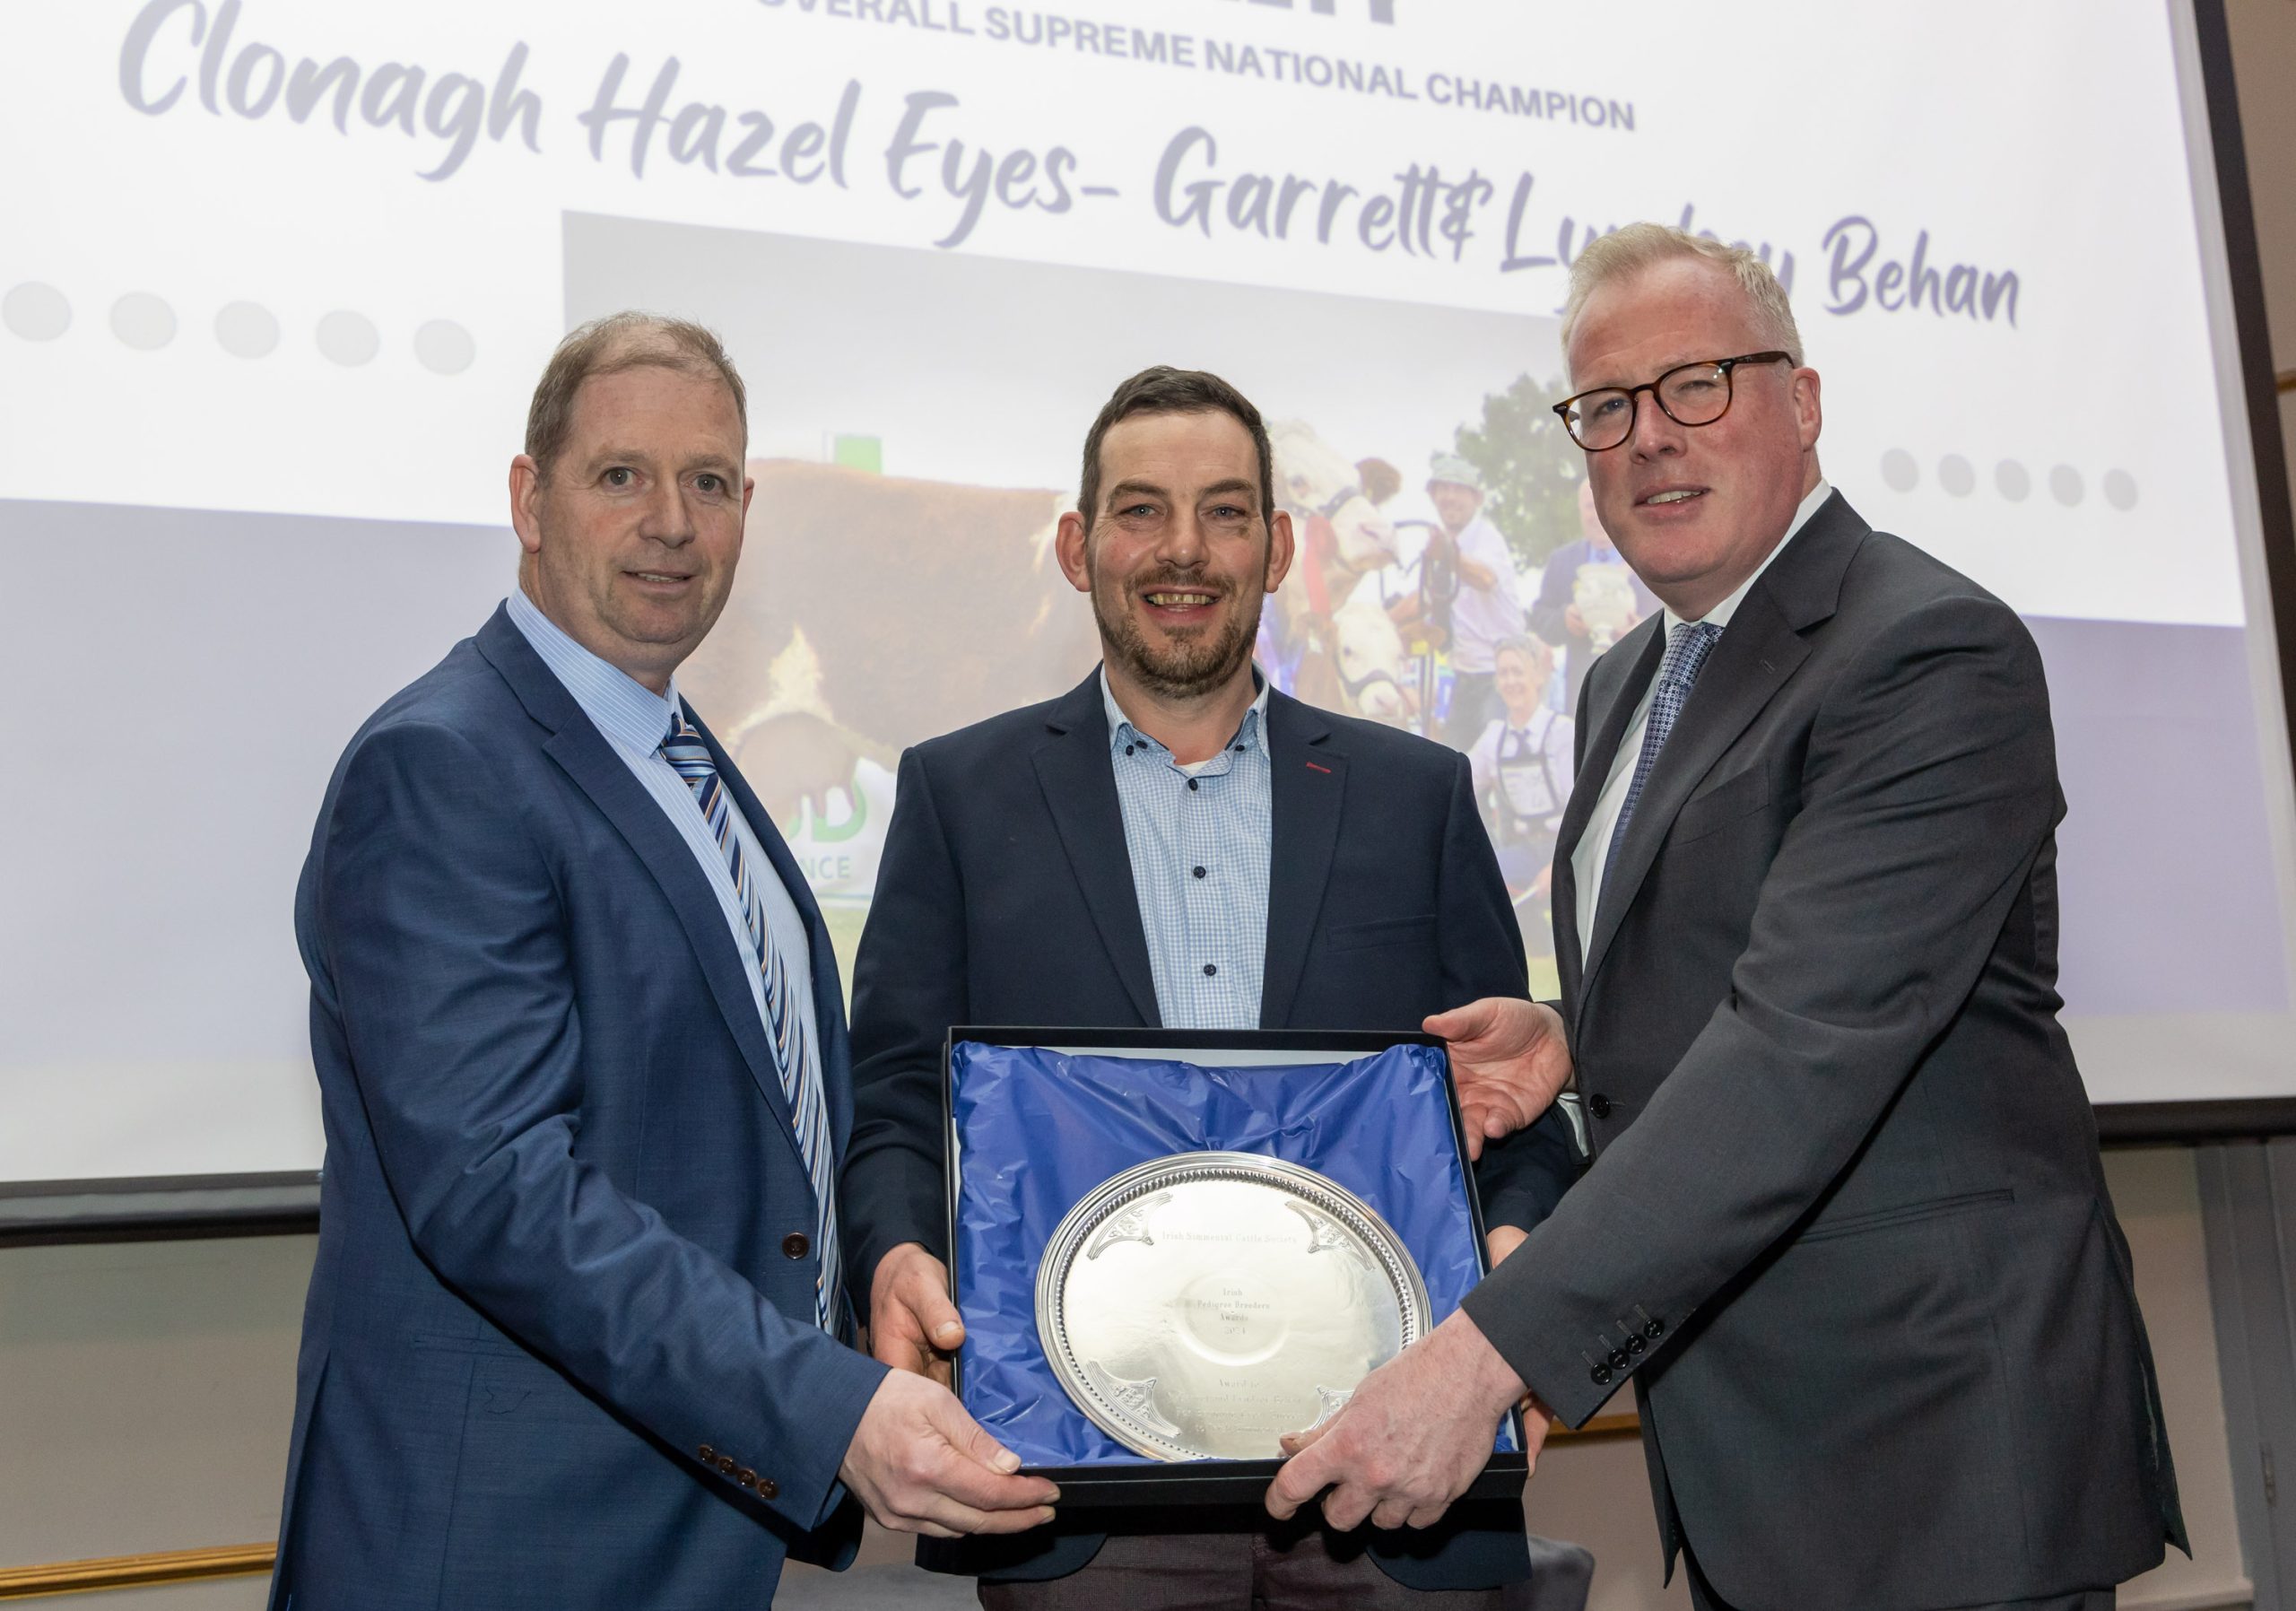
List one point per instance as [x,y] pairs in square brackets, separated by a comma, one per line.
[1602,1375]
[767,1488]
[796,1245]
[1655,1330]
[745,1476]
[1618,1359]
[726,1465]
[1635,1345]
[708,1454]
[1599,1105]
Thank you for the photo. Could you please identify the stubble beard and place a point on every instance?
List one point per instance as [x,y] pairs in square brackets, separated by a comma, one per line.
[1181,669]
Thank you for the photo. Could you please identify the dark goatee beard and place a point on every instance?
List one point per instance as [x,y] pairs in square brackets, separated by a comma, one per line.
[1184,670]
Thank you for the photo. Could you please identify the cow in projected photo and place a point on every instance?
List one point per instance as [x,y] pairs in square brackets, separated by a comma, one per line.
[871,612]
[1324,643]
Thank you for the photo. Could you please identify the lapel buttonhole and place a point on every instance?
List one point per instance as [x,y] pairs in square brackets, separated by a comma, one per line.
[1314,768]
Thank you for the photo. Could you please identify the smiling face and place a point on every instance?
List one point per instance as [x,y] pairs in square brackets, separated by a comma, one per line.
[1455,504]
[1695,509]
[1521,680]
[1179,558]
[630,542]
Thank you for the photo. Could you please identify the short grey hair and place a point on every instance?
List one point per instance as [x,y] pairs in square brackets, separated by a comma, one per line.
[610,345]
[1625,253]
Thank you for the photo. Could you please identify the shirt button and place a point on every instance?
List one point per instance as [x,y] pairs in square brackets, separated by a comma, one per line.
[795,1245]
[1198,871]
[1130,747]
[1191,786]
[1210,969]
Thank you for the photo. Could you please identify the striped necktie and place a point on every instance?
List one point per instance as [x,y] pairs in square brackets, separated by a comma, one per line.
[1686,653]
[798,1062]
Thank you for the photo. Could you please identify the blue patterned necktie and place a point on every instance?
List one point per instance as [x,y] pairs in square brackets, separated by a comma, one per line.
[1686,653]
[798,1064]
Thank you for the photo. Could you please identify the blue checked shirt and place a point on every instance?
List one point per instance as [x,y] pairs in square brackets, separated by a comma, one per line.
[1198,839]
[633,719]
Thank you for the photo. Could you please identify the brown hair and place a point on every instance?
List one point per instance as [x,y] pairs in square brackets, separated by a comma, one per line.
[1166,390]
[608,346]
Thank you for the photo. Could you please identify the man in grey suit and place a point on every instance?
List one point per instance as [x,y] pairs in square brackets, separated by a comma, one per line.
[1846,1227]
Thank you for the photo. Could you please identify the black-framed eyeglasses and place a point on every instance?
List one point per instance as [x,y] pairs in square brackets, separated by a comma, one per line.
[1690,394]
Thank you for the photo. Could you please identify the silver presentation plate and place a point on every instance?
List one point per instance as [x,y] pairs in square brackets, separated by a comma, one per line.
[1201,1306]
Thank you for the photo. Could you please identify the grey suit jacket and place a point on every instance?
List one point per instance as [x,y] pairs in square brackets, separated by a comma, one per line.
[1846,1226]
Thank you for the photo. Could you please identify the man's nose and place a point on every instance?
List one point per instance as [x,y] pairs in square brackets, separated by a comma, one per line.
[1183,542]
[1655,431]
[668,519]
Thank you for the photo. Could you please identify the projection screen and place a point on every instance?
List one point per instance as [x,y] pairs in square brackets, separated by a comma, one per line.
[279,278]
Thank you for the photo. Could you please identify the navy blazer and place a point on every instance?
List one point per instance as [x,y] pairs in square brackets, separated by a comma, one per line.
[1005,896]
[559,1349]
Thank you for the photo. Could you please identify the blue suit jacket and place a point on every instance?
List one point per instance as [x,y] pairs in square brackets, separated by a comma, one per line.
[1006,897]
[559,1349]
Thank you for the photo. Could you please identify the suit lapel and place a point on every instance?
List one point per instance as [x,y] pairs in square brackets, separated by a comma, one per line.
[1605,711]
[1758,652]
[582,753]
[1079,784]
[1307,782]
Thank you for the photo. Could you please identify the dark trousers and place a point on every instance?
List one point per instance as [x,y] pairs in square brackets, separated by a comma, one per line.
[1703,1596]
[1253,1571]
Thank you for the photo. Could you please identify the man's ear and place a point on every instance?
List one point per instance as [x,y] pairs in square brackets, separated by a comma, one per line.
[1280,549]
[1807,415]
[1068,546]
[526,501]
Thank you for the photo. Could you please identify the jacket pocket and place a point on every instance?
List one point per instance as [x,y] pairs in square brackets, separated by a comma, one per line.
[1386,931]
[1719,806]
[1905,1214]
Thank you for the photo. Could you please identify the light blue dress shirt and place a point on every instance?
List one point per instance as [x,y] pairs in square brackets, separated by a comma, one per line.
[633,719]
[1199,839]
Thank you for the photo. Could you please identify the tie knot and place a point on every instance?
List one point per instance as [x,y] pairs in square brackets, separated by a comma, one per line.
[1686,651]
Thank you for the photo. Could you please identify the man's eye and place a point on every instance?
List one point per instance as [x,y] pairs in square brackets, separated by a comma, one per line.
[621,475]
[1137,509]
[709,483]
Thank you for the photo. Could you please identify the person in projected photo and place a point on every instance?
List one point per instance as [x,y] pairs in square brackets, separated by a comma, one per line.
[1521,764]
[1846,1230]
[1589,597]
[1472,558]
[577,1335]
[1174,843]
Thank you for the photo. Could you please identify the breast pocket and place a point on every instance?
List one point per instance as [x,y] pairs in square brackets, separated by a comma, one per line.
[1729,801]
[1386,931]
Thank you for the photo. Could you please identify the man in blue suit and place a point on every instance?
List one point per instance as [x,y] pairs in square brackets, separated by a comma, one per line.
[576,1335]
[1174,843]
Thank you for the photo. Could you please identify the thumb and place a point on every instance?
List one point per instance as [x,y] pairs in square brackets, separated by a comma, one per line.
[1460,1022]
[971,1439]
[945,1327]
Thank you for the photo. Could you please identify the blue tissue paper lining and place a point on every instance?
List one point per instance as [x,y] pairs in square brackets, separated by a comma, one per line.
[1037,1131]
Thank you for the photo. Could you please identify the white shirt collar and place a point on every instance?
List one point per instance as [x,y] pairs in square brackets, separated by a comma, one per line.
[618,705]
[1720,613]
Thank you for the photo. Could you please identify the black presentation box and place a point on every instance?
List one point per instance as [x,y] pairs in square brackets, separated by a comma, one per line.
[1143,1480]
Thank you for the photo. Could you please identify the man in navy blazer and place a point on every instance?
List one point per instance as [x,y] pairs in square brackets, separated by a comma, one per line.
[1174,843]
[575,1338]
